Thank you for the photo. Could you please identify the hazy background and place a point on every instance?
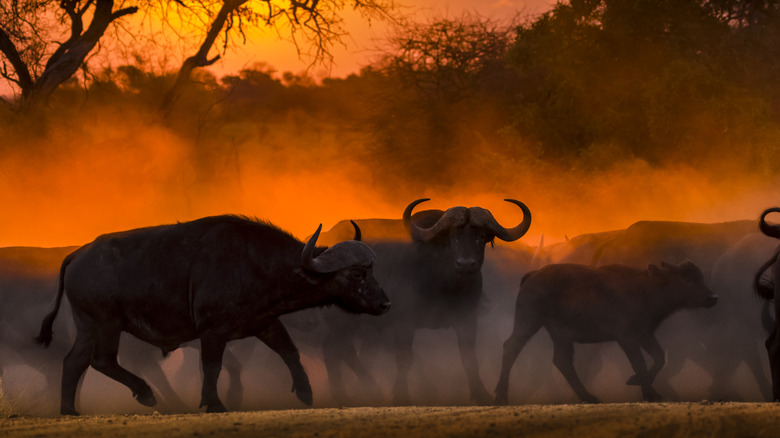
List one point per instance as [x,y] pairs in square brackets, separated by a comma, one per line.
[595,113]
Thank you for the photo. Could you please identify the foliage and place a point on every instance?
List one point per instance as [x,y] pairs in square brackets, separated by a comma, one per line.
[43,42]
[589,85]
[666,80]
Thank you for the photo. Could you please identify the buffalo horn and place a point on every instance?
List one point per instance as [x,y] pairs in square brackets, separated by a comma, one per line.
[358,234]
[509,234]
[425,234]
[766,228]
[339,256]
[307,256]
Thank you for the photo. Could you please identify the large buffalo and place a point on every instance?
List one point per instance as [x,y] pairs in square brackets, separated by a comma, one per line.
[215,279]
[582,304]
[435,282]
[771,292]
[28,276]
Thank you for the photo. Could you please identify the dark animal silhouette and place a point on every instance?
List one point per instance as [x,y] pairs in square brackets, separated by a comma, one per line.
[435,282]
[582,304]
[770,292]
[702,243]
[28,275]
[215,279]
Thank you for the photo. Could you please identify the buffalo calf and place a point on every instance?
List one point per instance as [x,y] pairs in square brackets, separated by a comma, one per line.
[583,304]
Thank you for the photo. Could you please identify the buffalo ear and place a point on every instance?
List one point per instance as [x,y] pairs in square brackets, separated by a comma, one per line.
[654,270]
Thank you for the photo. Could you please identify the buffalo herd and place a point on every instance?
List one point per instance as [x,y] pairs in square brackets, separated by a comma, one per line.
[417,310]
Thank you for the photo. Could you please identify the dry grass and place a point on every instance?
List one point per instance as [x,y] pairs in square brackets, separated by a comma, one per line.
[583,421]
[6,406]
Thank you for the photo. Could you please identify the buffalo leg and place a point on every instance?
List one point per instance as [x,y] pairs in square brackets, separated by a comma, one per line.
[337,343]
[520,336]
[637,360]
[656,352]
[104,360]
[277,338]
[467,344]
[404,340]
[211,350]
[367,382]
[722,372]
[773,350]
[756,365]
[74,365]
[232,366]
[563,358]
[151,371]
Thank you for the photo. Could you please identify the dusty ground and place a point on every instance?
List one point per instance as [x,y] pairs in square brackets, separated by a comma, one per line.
[603,420]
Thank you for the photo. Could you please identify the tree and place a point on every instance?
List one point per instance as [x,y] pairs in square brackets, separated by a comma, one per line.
[659,80]
[317,22]
[437,97]
[44,42]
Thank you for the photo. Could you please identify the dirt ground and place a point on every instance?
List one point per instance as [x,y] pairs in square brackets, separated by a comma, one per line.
[582,421]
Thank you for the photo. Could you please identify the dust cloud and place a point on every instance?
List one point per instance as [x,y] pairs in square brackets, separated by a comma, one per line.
[115,170]
[91,175]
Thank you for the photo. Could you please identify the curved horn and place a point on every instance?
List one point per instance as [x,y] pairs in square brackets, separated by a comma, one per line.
[512,234]
[768,229]
[307,256]
[358,234]
[339,256]
[423,234]
[447,219]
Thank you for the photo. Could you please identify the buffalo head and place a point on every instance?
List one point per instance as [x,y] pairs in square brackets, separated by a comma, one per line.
[461,233]
[347,269]
[686,281]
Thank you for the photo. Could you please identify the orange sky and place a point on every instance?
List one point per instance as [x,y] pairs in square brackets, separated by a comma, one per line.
[360,46]
[115,176]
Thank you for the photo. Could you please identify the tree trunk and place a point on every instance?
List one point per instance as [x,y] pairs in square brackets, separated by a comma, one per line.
[200,59]
[69,57]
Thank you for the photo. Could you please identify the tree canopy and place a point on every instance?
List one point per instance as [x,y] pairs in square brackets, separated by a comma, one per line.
[587,85]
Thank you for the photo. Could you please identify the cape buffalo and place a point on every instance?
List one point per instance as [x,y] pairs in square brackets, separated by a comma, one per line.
[583,304]
[771,292]
[215,279]
[435,282]
[702,243]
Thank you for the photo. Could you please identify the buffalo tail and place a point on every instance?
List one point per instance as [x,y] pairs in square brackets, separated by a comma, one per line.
[46,334]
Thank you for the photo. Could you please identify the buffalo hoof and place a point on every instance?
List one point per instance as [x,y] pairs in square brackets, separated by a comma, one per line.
[213,405]
[216,408]
[146,398]
[482,398]
[651,395]
[303,392]
[69,410]
[501,400]
[591,399]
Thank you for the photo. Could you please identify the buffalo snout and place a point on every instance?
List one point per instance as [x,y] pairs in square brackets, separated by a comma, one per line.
[466,265]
